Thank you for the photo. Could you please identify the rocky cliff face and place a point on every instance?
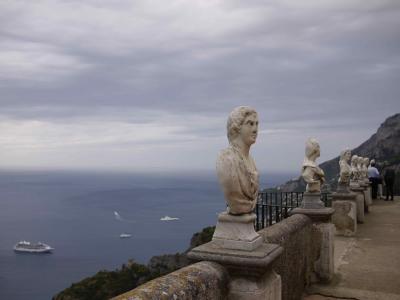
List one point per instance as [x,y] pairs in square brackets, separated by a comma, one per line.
[383,146]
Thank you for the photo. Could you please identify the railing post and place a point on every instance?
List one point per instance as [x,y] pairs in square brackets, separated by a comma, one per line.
[246,257]
[359,191]
[315,209]
[345,215]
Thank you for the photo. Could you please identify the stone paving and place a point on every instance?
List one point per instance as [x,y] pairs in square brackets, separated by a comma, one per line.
[367,266]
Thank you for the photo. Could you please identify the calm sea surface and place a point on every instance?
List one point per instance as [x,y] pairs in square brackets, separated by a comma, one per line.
[74,213]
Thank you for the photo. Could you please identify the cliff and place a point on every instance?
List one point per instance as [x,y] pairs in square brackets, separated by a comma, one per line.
[383,146]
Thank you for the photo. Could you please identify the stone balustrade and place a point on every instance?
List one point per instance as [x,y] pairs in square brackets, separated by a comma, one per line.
[301,244]
[297,235]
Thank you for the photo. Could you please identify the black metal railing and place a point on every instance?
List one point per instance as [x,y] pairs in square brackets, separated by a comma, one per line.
[273,207]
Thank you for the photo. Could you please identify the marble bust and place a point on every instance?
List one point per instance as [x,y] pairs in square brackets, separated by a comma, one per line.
[366,163]
[360,168]
[312,174]
[345,169]
[236,169]
[354,168]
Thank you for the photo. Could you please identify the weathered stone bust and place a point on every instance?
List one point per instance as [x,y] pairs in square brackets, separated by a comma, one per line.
[312,174]
[360,168]
[366,163]
[236,169]
[354,168]
[345,169]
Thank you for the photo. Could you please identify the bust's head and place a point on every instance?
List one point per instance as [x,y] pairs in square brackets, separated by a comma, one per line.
[366,161]
[242,123]
[345,154]
[312,149]
[354,159]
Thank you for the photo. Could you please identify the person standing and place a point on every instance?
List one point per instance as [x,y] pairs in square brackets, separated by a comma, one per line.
[389,178]
[374,178]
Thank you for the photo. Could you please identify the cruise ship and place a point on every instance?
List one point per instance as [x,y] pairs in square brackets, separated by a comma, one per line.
[24,246]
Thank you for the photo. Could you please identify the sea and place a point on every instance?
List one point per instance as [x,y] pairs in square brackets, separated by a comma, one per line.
[82,214]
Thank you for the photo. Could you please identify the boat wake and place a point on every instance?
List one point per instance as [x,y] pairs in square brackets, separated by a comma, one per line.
[119,218]
[125,235]
[167,218]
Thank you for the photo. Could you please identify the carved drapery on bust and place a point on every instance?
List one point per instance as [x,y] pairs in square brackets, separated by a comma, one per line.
[236,169]
[312,174]
[345,169]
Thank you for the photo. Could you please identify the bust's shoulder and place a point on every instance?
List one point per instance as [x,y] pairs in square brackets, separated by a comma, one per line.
[227,153]
[227,156]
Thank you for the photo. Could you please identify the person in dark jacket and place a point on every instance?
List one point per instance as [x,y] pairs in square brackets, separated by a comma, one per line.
[389,178]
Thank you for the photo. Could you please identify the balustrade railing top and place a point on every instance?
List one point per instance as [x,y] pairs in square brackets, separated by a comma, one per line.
[273,207]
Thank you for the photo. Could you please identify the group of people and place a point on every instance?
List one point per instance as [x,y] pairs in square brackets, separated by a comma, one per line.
[377,180]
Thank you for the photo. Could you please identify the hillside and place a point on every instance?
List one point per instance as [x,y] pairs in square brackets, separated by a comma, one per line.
[383,146]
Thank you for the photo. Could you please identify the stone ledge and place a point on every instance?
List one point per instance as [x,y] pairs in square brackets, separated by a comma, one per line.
[344,196]
[285,228]
[203,280]
[315,214]
[356,189]
[262,257]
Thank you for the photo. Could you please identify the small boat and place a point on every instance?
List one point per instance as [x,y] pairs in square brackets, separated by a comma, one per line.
[125,235]
[167,218]
[24,246]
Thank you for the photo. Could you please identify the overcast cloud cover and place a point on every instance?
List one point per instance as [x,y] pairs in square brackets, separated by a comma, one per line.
[147,85]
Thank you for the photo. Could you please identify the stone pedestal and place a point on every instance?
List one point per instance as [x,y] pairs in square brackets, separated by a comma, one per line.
[312,201]
[237,247]
[367,192]
[343,188]
[359,191]
[364,186]
[236,232]
[252,276]
[370,193]
[345,216]
[321,217]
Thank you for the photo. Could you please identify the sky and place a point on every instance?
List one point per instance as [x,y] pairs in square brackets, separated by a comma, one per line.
[147,86]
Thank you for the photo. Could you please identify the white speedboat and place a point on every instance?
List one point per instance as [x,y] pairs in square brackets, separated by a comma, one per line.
[167,218]
[24,246]
[125,235]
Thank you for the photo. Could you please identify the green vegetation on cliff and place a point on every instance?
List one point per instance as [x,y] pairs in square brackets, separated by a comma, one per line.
[108,284]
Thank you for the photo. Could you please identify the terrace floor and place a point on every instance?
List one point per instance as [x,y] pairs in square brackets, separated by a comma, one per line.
[367,266]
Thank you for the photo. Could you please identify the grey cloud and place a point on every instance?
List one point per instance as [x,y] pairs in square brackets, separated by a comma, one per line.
[296,65]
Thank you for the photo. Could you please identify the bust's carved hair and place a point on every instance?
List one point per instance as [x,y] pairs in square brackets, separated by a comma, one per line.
[343,153]
[236,119]
[311,147]
[354,159]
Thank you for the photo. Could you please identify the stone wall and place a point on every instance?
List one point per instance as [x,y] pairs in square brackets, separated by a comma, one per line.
[301,244]
[301,241]
[203,280]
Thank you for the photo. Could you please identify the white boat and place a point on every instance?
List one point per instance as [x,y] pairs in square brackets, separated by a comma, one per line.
[24,246]
[167,218]
[125,235]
